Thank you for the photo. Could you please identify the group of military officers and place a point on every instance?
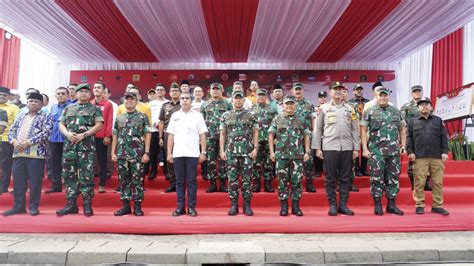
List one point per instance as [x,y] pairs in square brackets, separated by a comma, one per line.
[272,138]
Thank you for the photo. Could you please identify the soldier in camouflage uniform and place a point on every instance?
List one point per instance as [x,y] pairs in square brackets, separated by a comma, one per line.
[289,142]
[79,124]
[166,111]
[130,149]
[386,129]
[212,112]
[409,111]
[305,112]
[265,114]
[238,145]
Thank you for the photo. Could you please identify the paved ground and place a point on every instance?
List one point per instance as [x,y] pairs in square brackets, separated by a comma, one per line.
[454,247]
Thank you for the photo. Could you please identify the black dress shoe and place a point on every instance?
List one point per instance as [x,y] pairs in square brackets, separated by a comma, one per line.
[52,190]
[439,211]
[34,212]
[170,189]
[359,173]
[5,190]
[179,212]
[420,210]
[365,173]
[192,212]
[13,212]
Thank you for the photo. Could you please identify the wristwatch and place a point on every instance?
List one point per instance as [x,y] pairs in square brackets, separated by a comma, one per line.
[204,152]
[147,153]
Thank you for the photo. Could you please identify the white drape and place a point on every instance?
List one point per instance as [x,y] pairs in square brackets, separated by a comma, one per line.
[468,64]
[38,70]
[414,70]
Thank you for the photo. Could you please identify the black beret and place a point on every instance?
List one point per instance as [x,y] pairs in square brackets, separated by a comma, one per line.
[377,84]
[184,82]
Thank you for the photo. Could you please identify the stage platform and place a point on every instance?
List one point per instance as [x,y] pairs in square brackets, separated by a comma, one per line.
[213,218]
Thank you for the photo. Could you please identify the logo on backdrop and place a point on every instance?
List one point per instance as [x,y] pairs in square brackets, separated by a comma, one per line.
[242,77]
[225,77]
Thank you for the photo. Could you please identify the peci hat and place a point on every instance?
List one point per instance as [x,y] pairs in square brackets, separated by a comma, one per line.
[423,100]
[36,96]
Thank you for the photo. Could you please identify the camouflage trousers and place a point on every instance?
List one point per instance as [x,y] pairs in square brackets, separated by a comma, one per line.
[78,173]
[263,165]
[215,166]
[384,174]
[308,167]
[289,172]
[131,180]
[239,166]
[169,173]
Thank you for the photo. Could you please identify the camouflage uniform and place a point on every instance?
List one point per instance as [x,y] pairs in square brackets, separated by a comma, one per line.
[305,112]
[383,124]
[130,129]
[78,159]
[238,126]
[212,112]
[409,111]
[167,110]
[265,114]
[289,134]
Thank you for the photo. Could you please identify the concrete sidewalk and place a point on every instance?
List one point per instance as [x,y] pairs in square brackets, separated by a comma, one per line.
[251,248]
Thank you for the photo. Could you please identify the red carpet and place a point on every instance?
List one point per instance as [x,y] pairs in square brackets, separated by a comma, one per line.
[213,218]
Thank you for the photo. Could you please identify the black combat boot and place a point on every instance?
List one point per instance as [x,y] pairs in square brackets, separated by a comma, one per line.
[310,186]
[269,186]
[256,186]
[125,209]
[343,209]
[222,186]
[213,187]
[88,207]
[247,210]
[295,208]
[171,188]
[392,208]
[70,208]
[284,208]
[137,208]
[234,207]
[332,207]
[378,210]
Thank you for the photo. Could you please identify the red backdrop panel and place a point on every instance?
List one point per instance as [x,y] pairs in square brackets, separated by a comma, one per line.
[9,60]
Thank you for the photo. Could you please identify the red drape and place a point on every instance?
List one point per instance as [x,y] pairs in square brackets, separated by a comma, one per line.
[9,60]
[447,68]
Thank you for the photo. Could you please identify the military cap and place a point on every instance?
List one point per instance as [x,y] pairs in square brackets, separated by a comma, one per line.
[151,90]
[380,89]
[130,94]
[416,87]
[322,94]
[83,86]
[289,98]
[5,90]
[336,84]
[238,82]
[15,92]
[237,93]
[297,85]
[261,91]
[174,85]
[358,86]
[35,96]
[423,100]
[277,87]
[218,85]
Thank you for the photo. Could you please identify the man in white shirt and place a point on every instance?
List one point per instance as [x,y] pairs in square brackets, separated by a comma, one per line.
[198,101]
[155,148]
[186,132]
